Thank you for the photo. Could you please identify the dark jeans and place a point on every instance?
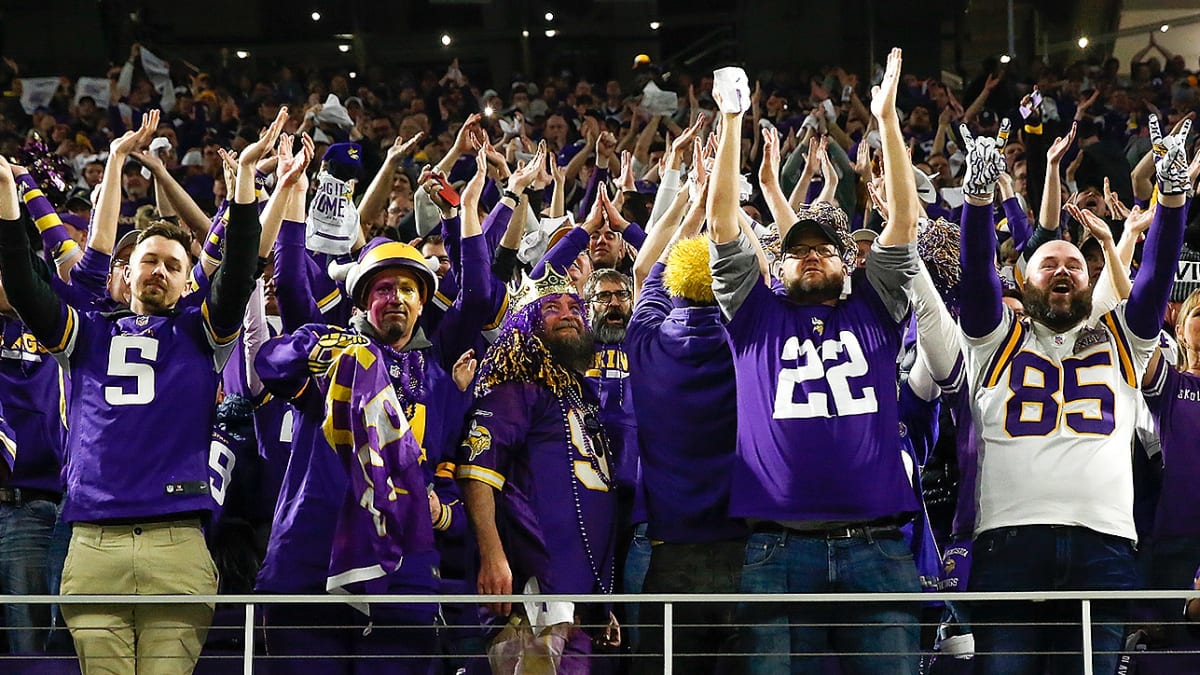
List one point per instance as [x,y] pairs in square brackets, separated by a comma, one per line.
[24,546]
[1048,558]
[875,638]
[699,628]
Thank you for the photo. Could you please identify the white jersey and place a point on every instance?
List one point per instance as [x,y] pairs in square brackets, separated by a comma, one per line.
[1056,413]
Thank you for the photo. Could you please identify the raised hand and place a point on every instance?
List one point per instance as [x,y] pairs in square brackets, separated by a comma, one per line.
[523,177]
[402,148]
[768,171]
[883,97]
[292,169]
[612,214]
[462,143]
[256,150]
[136,140]
[984,165]
[1138,220]
[1095,224]
[1060,146]
[1115,207]
[606,146]
[1170,158]
[464,369]
[626,182]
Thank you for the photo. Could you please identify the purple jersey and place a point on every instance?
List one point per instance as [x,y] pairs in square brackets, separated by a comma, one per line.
[610,373]
[682,378]
[1174,401]
[548,459]
[967,443]
[820,382]
[154,374]
[32,393]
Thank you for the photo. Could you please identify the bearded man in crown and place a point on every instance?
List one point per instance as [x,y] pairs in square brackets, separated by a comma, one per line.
[534,468]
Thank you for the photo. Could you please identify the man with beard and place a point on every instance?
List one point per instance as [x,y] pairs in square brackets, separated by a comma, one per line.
[610,305]
[1054,402]
[137,501]
[819,474]
[534,465]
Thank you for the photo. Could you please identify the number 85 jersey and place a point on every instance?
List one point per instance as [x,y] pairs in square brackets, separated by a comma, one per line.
[141,414]
[1056,413]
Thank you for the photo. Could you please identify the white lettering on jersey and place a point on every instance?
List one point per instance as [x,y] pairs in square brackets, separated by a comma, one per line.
[810,366]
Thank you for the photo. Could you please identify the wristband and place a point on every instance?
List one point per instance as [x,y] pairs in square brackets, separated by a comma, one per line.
[509,194]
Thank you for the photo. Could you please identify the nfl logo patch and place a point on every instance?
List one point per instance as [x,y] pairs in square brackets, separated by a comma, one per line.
[142,320]
[394,371]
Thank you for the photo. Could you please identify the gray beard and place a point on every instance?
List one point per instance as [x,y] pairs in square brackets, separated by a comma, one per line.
[608,333]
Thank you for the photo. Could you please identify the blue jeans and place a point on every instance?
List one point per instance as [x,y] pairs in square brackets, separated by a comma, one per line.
[24,542]
[59,639]
[637,561]
[1008,635]
[789,562]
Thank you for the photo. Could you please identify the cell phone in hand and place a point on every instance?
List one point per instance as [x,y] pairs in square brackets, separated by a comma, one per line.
[847,93]
[446,192]
[1036,98]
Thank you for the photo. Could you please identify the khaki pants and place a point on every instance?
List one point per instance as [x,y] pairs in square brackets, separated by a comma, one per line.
[152,559]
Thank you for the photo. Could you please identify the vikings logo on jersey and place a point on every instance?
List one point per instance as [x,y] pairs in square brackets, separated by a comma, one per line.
[479,440]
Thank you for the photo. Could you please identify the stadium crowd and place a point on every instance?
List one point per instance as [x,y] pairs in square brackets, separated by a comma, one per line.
[831,332]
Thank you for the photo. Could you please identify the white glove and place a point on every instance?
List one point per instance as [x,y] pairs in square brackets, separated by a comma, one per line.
[1170,158]
[984,165]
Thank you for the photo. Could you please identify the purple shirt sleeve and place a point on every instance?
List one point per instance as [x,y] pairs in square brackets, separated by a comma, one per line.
[978,237]
[1152,288]
[1018,222]
[563,254]
[293,293]
[56,241]
[90,274]
[495,225]
[653,305]
[452,238]
[459,329]
[282,362]
[635,235]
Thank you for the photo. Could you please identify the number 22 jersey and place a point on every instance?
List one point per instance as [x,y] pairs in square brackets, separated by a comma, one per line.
[1056,413]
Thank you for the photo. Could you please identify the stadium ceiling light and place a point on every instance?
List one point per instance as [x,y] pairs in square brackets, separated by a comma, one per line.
[1005,58]
[551,33]
[549,16]
[353,74]
[1083,42]
[654,25]
[343,48]
[242,54]
[316,16]
[445,40]
[524,33]
[1165,27]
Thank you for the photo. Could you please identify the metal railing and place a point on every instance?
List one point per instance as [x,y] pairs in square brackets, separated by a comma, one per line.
[250,604]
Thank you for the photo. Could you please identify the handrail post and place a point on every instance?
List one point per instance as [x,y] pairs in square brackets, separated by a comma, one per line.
[1087,637]
[668,638]
[248,656]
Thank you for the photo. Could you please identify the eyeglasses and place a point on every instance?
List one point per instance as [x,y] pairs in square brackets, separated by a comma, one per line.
[605,297]
[119,262]
[801,251]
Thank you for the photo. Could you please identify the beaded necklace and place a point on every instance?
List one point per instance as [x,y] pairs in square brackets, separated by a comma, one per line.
[572,400]
[407,380]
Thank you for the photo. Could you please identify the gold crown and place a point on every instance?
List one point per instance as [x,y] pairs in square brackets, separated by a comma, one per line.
[550,283]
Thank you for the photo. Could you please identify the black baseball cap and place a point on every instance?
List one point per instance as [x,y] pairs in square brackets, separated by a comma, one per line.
[826,230]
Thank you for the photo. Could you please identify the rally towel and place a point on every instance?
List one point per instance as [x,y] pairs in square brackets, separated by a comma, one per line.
[332,223]
[385,514]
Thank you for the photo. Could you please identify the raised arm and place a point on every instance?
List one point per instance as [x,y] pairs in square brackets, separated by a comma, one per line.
[1052,194]
[46,315]
[56,242]
[375,199]
[1152,288]
[901,186]
[723,182]
[782,212]
[108,206]
[168,190]
[984,312]
[656,240]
